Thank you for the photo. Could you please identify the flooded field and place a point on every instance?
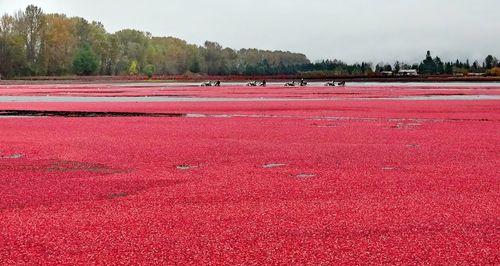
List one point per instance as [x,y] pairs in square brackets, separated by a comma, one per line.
[392,174]
[186,92]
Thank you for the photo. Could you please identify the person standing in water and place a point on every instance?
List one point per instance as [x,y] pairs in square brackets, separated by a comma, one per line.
[302,82]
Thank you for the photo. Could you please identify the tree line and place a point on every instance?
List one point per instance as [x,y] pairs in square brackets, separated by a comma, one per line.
[33,43]
[435,66]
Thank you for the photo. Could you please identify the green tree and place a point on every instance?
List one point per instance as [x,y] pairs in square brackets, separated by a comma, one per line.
[194,65]
[85,61]
[31,24]
[397,67]
[448,68]
[428,66]
[439,65]
[12,49]
[133,46]
[213,57]
[149,70]
[100,42]
[475,66]
[133,69]
[490,62]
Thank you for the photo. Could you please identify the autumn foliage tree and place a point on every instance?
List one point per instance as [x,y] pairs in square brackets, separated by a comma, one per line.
[35,43]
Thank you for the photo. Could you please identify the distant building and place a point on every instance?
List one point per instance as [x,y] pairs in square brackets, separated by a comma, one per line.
[386,73]
[408,72]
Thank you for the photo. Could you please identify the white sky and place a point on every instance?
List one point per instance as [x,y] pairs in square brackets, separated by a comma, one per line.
[350,30]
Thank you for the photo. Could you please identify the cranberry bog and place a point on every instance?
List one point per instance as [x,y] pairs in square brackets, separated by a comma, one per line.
[140,174]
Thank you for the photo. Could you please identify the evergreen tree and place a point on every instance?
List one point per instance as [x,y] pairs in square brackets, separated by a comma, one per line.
[490,62]
[85,61]
[475,66]
[439,65]
[397,67]
[428,66]
[448,68]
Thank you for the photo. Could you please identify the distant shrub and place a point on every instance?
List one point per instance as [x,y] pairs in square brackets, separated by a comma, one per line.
[85,61]
[149,70]
[494,71]
[133,69]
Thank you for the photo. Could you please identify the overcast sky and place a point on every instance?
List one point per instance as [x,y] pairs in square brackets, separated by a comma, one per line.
[350,30]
